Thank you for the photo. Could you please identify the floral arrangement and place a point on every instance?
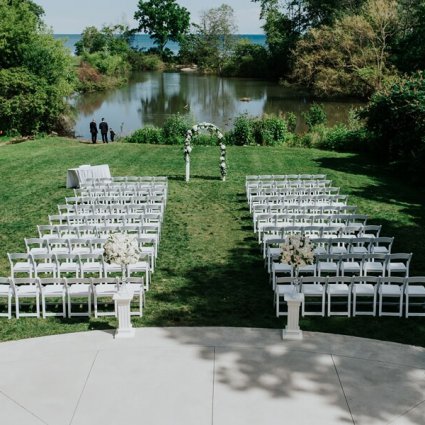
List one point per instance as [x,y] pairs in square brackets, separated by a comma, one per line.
[121,249]
[213,130]
[297,251]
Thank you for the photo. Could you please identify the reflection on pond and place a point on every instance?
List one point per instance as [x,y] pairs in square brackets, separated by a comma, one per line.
[150,97]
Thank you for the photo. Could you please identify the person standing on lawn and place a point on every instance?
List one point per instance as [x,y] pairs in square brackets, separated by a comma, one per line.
[103,127]
[93,131]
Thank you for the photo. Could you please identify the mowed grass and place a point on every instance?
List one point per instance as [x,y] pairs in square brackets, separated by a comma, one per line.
[209,270]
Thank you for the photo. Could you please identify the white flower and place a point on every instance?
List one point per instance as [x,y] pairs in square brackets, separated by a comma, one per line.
[189,149]
[121,249]
[222,146]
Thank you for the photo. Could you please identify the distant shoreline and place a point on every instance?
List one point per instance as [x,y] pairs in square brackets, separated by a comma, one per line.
[144,41]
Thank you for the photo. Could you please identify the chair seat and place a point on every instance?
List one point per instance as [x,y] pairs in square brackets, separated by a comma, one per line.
[363,289]
[112,268]
[285,289]
[359,250]
[140,265]
[373,266]
[390,290]
[27,290]
[68,267]
[46,268]
[312,289]
[83,289]
[53,289]
[415,290]
[327,266]
[350,266]
[338,289]
[338,250]
[5,290]
[396,267]
[107,289]
[380,250]
[22,266]
[91,267]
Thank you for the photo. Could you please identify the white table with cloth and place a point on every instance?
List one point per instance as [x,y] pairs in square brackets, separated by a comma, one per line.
[77,176]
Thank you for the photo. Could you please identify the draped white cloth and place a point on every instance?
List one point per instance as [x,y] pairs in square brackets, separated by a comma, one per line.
[77,176]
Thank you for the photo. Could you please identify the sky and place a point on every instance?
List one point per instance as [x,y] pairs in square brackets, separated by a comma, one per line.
[72,16]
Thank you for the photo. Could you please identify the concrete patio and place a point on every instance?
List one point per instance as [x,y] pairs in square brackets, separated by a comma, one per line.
[219,376]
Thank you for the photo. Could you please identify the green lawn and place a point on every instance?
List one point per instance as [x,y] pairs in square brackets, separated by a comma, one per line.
[209,271]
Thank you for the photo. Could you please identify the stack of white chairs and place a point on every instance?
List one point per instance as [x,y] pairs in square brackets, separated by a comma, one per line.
[64,265]
[355,271]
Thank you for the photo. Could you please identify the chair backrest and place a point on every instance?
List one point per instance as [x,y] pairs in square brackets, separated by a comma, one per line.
[51,281]
[338,280]
[318,280]
[391,280]
[16,281]
[104,281]
[16,256]
[363,280]
[77,281]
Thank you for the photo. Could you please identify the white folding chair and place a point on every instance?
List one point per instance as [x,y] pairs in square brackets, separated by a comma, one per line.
[398,263]
[351,264]
[374,264]
[44,264]
[91,264]
[52,288]
[26,288]
[79,288]
[415,288]
[313,287]
[67,264]
[327,264]
[104,287]
[141,266]
[36,246]
[339,287]
[391,288]
[20,263]
[364,287]
[6,291]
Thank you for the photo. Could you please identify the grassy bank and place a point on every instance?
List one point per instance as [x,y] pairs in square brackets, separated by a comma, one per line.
[209,271]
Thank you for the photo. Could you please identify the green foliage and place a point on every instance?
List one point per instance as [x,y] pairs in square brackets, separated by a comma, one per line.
[36,71]
[113,39]
[163,20]
[338,138]
[396,119]
[107,64]
[291,120]
[247,60]
[175,128]
[141,61]
[152,135]
[270,131]
[316,115]
[243,131]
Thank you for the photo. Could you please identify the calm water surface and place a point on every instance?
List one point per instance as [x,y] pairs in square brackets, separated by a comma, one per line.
[151,97]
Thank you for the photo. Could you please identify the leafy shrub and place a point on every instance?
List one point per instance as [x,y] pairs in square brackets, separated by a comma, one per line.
[152,135]
[175,128]
[204,140]
[395,118]
[316,115]
[243,131]
[291,121]
[338,138]
[270,131]
[145,62]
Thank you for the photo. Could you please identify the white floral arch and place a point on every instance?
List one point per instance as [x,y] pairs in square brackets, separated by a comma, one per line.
[213,130]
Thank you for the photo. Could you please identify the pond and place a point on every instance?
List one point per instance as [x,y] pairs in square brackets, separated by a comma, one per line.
[150,97]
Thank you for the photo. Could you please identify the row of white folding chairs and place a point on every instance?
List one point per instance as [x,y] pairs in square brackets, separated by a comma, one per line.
[79,265]
[65,209]
[348,264]
[147,246]
[266,177]
[284,192]
[287,183]
[295,209]
[43,289]
[293,193]
[275,220]
[311,201]
[114,200]
[47,231]
[119,179]
[122,187]
[375,292]
[316,231]
[95,192]
[338,245]
[96,219]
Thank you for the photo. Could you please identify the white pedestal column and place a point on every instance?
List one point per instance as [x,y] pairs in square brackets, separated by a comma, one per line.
[187,170]
[123,298]
[292,330]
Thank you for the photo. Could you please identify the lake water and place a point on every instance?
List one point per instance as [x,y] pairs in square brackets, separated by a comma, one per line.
[150,97]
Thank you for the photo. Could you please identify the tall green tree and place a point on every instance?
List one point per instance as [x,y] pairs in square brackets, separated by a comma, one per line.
[163,20]
[36,72]
[213,42]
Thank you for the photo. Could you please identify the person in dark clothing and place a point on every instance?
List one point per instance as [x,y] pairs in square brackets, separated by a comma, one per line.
[93,131]
[111,134]
[103,127]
